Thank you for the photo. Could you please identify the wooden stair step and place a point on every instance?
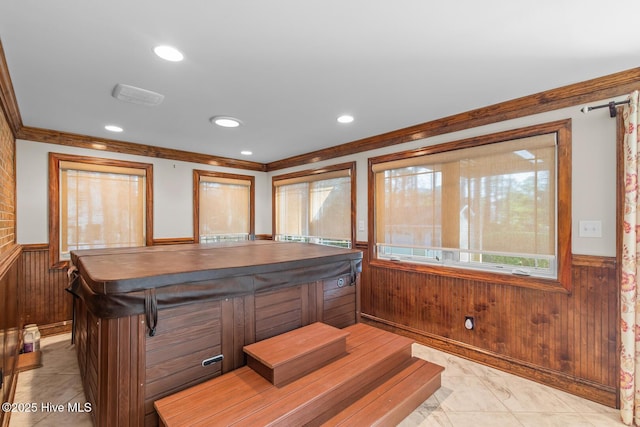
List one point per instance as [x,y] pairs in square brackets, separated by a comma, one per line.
[334,389]
[243,397]
[393,400]
[287,357]
[199,402]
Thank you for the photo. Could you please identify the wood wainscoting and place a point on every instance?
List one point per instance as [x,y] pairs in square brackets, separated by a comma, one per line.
[42,296]
[10,326]
[567,341]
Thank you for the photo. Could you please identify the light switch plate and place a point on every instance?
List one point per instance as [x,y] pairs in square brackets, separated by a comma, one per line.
[590,228]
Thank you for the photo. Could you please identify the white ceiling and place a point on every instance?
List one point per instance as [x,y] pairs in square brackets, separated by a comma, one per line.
[288,68]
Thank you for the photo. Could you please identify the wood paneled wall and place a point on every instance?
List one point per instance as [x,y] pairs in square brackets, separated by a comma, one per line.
[10,327]
[42,295]
[564,340]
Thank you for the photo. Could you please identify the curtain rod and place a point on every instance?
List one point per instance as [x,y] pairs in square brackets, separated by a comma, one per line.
[612,107]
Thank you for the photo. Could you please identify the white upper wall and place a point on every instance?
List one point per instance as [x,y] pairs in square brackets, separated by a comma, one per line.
[593,180]
[172,192]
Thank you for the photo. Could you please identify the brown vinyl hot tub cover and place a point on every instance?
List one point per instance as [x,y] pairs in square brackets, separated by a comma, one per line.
[127,281]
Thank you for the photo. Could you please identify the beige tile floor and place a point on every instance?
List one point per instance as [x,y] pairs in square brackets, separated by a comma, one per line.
[57,382]
[471,395]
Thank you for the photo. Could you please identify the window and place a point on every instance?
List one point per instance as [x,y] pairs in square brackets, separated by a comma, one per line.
[487,204]
[316,206]
[223,207]
[97,203]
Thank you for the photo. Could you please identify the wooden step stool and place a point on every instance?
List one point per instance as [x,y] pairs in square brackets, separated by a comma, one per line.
[289,356]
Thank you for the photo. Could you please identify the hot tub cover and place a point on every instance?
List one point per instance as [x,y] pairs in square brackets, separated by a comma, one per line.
[125,281]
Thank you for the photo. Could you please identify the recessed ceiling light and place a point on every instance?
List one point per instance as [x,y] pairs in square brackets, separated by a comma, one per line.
[225,121]
[345,118]
[246,152]
[113,128]
[169,53]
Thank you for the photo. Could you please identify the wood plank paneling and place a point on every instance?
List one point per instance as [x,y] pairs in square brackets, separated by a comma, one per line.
[323,301]
[565,340]
[339,299]
[43,299]
[10,326]
[120,383]
[184,338]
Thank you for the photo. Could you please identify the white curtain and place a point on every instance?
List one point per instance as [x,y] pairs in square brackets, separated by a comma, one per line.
[630,310]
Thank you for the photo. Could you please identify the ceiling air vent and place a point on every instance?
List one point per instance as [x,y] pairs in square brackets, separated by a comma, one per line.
[135,95]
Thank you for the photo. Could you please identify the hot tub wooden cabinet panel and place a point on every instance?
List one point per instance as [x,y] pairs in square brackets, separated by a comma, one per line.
[147,320]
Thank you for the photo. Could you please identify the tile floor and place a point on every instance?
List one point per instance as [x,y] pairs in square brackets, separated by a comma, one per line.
[57,382]
[476,395]
[471,395]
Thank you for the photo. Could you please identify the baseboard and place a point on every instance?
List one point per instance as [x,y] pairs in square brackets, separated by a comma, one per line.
[586,389]
[263,237]
[55,328]
[5,417]
[27,361]
[173,241]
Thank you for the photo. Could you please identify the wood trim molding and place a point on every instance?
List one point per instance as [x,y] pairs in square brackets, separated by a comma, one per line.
[565,96]
[9,105]
[351,166]
[103,144]
[35,247]
[562,129]
[8,258]
[593,261]
[55,328]
[590,90]
[173,241]
[363,246]
[54,198]
[263,237]
[8,101]
[575,94]
[197,174]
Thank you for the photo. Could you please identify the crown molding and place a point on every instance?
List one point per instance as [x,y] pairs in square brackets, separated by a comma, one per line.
[8,101]
[566,96]
[575,94]
[103,144]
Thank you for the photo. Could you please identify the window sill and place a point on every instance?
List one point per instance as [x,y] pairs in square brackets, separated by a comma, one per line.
[530,282]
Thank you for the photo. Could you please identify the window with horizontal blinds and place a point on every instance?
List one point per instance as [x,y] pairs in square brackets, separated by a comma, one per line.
[101,206]
[314,208]
[224,207]
[490,207]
